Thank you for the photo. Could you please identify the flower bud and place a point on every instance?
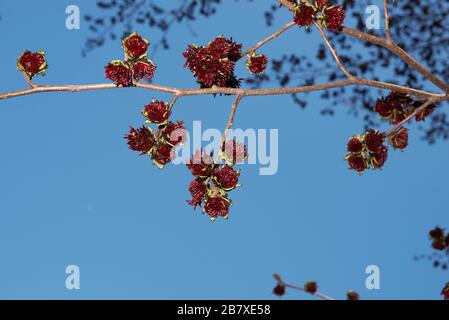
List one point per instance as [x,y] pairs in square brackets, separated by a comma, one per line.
[32,64]
[157,112]
[256,63]
[135,46]
[119,73]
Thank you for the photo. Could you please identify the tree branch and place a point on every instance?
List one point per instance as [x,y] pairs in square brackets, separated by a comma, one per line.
[279,280]
[387,22]
[232,115]
[392,47]
[231,91]
[273,36]
[333,51]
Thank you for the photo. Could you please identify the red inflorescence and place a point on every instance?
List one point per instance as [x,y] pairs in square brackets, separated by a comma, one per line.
[331,17]
[279,290]
[175,133]
[141,140]
[234,152]
[226,177]
[399,139]
[135,46]
[144,70]
[352,295]
[367,150]
[397,106]
[160,146]
[214,180]
[334,17]
[304,14]
[357,162]
[257,63]
[321,4]
[136,65]
[311,287]
[198,190]
[120,73]
[393,107]
[162,154]
[157,112]
[213,64]
[217,206]
[201,164]
[32,64]
[440,241]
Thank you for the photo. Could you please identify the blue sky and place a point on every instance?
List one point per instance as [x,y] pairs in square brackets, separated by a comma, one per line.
[72,193]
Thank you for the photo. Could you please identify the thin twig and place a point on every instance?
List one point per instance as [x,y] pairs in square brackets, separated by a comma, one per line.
[333,51]
[273,36]
[387,22]
[235,104]
[231,91]
[29,81]
[173,101]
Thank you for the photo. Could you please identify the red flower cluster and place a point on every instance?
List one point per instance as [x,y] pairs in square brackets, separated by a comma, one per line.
[257,63]
[32,64]
[311,287]
[332,17]
[141,139]
[135,46]
[304,14]
[158,145]
[440,241]
[445,292]
[213,64]
[397,106]
[279,290]
[399,138]
[352,295]
[367,150]
[136,65]
[213,181]
[157,112]
[233,152]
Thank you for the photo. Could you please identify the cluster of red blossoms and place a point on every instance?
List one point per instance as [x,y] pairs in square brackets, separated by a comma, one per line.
[398,106]
[331,17]
[32,63]
[215,179]
[135,66]
[368,150]
[159,145]
[213,64]
[440,241]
